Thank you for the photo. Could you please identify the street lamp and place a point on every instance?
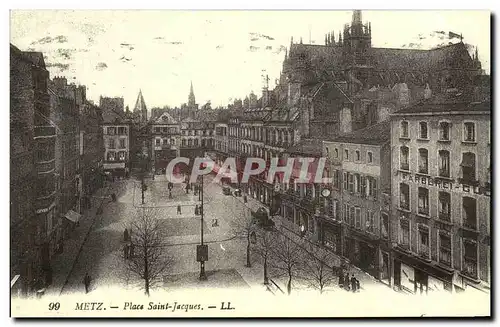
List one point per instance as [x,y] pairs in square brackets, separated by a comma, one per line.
[202,249]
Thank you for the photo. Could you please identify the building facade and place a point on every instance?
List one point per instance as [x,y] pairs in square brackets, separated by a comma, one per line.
[33,198]
[441,159]
[165,141]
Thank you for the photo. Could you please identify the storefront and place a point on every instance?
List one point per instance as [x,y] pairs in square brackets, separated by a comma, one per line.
[330,235]
[414,276]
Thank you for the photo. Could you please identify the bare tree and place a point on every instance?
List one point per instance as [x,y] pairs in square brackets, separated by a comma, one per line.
[149,260]
[243,226]
[265,243]
[286,258]
[315,270]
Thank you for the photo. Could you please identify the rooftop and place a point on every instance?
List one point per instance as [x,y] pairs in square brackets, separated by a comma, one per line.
[376,134]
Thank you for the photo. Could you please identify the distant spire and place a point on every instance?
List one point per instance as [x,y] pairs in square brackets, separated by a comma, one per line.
[356,17]
[476,55]
[333,37]
[301,40]
[191,98]
[340,38]
[140,107]
[326,39]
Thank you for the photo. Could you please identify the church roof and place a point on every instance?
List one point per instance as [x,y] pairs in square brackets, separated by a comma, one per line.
[140,105]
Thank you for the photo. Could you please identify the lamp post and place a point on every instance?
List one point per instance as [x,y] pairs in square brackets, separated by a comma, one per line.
[202,250]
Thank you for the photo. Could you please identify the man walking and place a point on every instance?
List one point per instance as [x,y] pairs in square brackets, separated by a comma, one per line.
[179,209]
[353,283]
[86,282]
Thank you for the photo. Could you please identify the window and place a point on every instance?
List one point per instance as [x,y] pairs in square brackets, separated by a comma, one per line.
[371,186]
[422,131]
[357,217]
[351,183]
[346,154]
[468,167]
[183,142]
[444,249]
[385,225]
[357,184]
[190,142]
[336,178]
[404,233]
[404,129]
[157,142]
[444,163]
[111,130]
[111,143]
[444,131]
[469,132]
[172,141]
[195,142]
[404,160]
[423,161]
[122,143]
[370,157]
[336,153]
[423,241]
[404,196]
[358,155]
[444,200]
[122,155]
[469,212]
[334,209]
[346,212]
[469,259]
[346,181]
[423,201]
[111,156]
[122,130]
[370,221]
[157,130]
[351,215]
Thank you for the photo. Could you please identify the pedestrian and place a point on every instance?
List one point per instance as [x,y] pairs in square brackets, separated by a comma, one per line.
[357,285]
[131,251]
[341,279]
[125,235]
[86,282]
[196,210]
[169,194]
[353,283]
[346,282]
[125,251]
[179,211]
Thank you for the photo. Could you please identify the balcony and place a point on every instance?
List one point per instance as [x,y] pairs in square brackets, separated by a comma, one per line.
[45,131]
[470,267]
[470,224]
[44,167]
[444,216]
[43,203]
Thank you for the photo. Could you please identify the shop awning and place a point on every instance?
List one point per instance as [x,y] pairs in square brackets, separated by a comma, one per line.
[73,216]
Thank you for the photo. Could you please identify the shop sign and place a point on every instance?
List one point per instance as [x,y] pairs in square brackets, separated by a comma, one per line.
[451,185]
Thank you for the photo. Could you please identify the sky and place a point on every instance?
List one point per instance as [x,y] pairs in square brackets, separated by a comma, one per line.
[224,53]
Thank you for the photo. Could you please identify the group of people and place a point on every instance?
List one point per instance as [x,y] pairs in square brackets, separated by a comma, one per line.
[349,284]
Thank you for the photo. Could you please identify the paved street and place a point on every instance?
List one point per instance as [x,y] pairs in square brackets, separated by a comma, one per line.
[102,253]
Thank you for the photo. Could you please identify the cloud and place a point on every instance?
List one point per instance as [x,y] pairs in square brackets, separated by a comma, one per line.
[49,39]
[65,53]
[101,66]
[127,45]
[62,67]
[258,36]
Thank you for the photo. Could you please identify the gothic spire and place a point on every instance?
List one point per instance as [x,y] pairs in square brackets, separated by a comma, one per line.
[356,17]
[191,98]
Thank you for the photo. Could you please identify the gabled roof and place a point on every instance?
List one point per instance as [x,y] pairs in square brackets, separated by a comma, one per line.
[165,118]
[376,134]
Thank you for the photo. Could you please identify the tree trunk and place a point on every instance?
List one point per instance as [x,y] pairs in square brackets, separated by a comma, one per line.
[146,272]
[289,285]
[248,251]
[266,280]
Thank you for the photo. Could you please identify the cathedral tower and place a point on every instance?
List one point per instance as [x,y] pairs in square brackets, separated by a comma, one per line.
[140,108]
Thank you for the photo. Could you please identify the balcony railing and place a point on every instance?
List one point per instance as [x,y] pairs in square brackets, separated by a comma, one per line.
[470,224]
[405,166]
[444,216]
[423,211]
[45,167]
[44,131]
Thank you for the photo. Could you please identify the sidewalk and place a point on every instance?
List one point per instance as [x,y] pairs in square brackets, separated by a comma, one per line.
[62,264]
